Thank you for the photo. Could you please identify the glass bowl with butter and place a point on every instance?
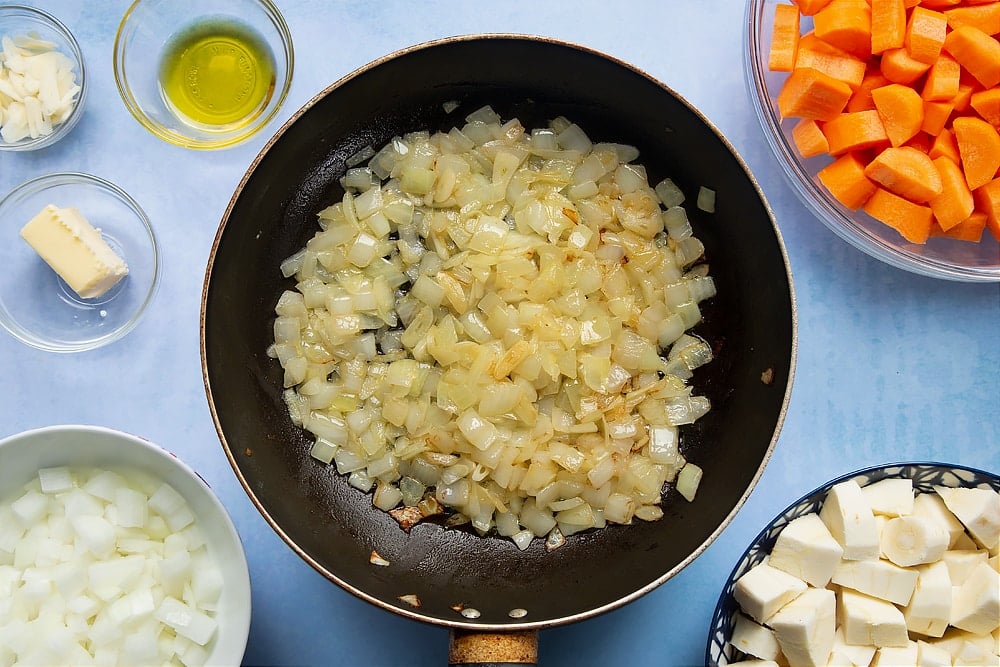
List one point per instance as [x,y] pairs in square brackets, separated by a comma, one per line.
[79,262]
[42,65]
[203,74]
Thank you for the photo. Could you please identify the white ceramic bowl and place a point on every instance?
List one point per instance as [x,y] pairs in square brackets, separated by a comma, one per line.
[25,453]
[925,476]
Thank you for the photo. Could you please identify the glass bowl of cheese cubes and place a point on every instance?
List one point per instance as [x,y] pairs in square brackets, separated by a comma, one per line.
[79,262]
[43,83]
[114,551]
[891,565]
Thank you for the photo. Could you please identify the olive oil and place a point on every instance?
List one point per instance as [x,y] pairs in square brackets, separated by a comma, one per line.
[217,74]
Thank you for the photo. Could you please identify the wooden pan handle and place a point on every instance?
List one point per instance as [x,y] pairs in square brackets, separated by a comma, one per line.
[492,649]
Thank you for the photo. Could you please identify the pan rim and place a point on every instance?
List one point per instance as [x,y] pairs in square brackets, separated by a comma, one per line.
[513,625]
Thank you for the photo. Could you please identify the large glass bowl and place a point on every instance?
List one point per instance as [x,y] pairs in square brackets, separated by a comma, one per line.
[146,29]
[939,257]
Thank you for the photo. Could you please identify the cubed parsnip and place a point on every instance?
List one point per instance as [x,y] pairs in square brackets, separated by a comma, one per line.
[850,520]
[929,610]
[891,497]
[929,655]
[849,655]
[878,578]
[913,540]
[869,621]
[763,590]
[961,563]
[806,626]
[977,509]
[806,549]
[896,656]
[754,639]
[931,506]
[976,606]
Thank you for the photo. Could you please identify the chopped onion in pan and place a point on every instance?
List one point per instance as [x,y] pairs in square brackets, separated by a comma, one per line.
[496,321]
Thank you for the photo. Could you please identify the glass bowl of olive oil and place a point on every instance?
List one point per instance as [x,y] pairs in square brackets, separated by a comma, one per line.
[203,74]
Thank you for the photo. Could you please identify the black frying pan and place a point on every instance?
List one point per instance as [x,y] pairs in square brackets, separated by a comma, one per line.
[751,325]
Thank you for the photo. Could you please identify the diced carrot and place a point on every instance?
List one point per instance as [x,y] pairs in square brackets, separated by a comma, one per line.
[977,52]
[945,144]
[979,146]
[970,229]
[962,98]
[888,25]
[985,17]
[906,172]
[901,111]
[954,203]
[899,67]
[938,4]
[925,33]
[808,93]
[912,221]
[784,38]
[854,131]
[936,116]
[922,142]
[942,79]
[861,100]
[845,179]
[809,138]
[846,24]
[988,201]
[816,54]
[810,7]
[987,105]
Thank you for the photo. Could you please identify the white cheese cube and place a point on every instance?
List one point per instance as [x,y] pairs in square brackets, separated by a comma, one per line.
[931,506]
[977,509]
[849,655]
[890,497]
[75,250]
[763,590]
[913,540]
[806,626]
[929,655]
[961,563]
[976,607]
[896,656]
[929,610]
[878,578]
[754,639]
[869,621]
[806,549]
[850,520]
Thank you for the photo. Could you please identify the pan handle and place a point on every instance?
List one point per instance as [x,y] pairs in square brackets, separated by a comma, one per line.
[492,649]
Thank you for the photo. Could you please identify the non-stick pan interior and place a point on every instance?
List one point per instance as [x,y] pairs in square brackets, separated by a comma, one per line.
[750,324]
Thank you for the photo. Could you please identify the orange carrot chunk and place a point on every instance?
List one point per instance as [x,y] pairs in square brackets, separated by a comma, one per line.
[810,7]
[987,105]
[861,100]
[808,93]
[845,179]
[847,24]
[979,146]
[945,144]
[942,79]
[977,52]
[962,98]
[938,4]
[912,221]
[809,138]
[899,67]
[816,54]
[922,142]
[854,131]
[901,111]
[936,116]
[970,229]
[906,172]
[988,201]
[925,34]
[985,17]
[954,203]
[888,25]
[784,38]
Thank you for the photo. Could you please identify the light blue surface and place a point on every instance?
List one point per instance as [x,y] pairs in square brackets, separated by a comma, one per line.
[891,366]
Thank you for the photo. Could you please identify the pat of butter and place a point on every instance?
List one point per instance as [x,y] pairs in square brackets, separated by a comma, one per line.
[75,250]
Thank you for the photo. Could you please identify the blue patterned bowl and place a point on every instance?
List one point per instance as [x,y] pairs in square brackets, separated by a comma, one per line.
[925,477]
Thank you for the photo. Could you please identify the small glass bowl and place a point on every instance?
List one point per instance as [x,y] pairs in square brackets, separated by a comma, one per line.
[925,476]
[938,258]
[16,20]
[145,30]
[36,306]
